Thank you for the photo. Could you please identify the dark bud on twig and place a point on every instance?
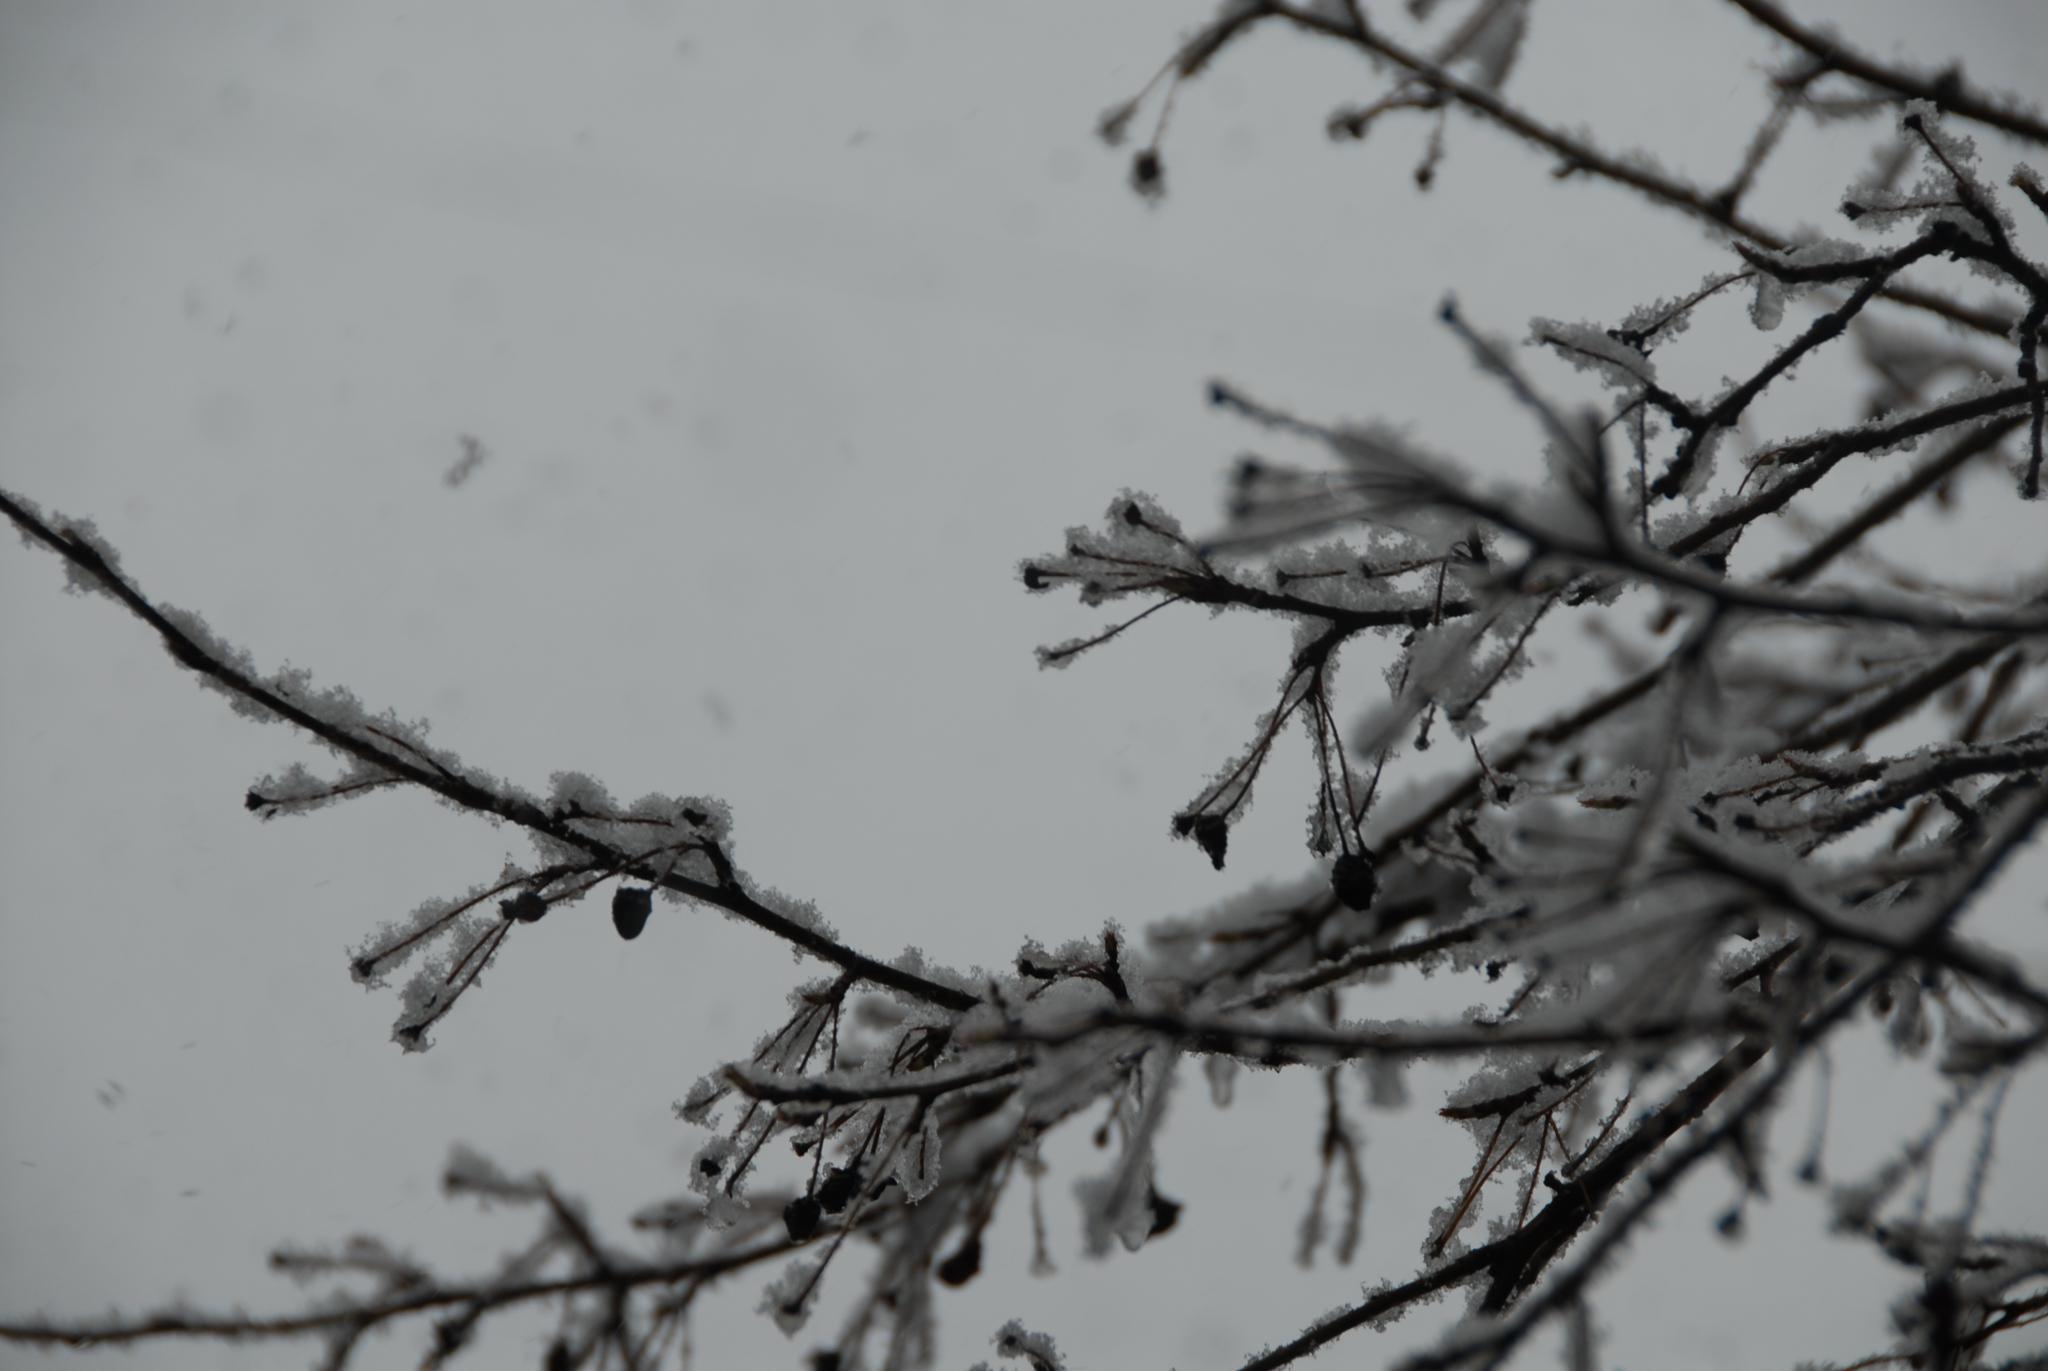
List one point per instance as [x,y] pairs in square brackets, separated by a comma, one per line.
[1034,579]
[1212,834]
[526,906]
[963,1265]
[1354,882]
[838,1188]
[630,907]
[800,1217]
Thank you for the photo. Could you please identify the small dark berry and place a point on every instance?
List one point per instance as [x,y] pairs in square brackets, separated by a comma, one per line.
[1034,579]
[963,1265]
[630,907]
[1212,834]
[1133,515]
[1148,174]
[800,1217]
[838,1188]
[1354,881]
[526,906]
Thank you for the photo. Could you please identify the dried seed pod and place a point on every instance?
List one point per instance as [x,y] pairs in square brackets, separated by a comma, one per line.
[1354,881]
[1165,1213]
[838,1188]
[630,907]
[800,1217]
[963,1265]
[1148,174]
[1212,834]
[527,907]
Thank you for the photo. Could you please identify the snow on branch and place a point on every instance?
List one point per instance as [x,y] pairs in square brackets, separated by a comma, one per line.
[1776,799]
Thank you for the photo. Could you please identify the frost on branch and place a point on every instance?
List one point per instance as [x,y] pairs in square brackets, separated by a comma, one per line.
[789,1299]
[1118,1205]
[1948,193]
[1036,1350]
[1764,811]
[298,791]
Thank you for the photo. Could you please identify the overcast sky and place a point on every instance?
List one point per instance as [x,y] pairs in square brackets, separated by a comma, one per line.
[785,330]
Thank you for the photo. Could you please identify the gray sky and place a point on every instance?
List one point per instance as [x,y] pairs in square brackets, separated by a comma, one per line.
[787,331]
